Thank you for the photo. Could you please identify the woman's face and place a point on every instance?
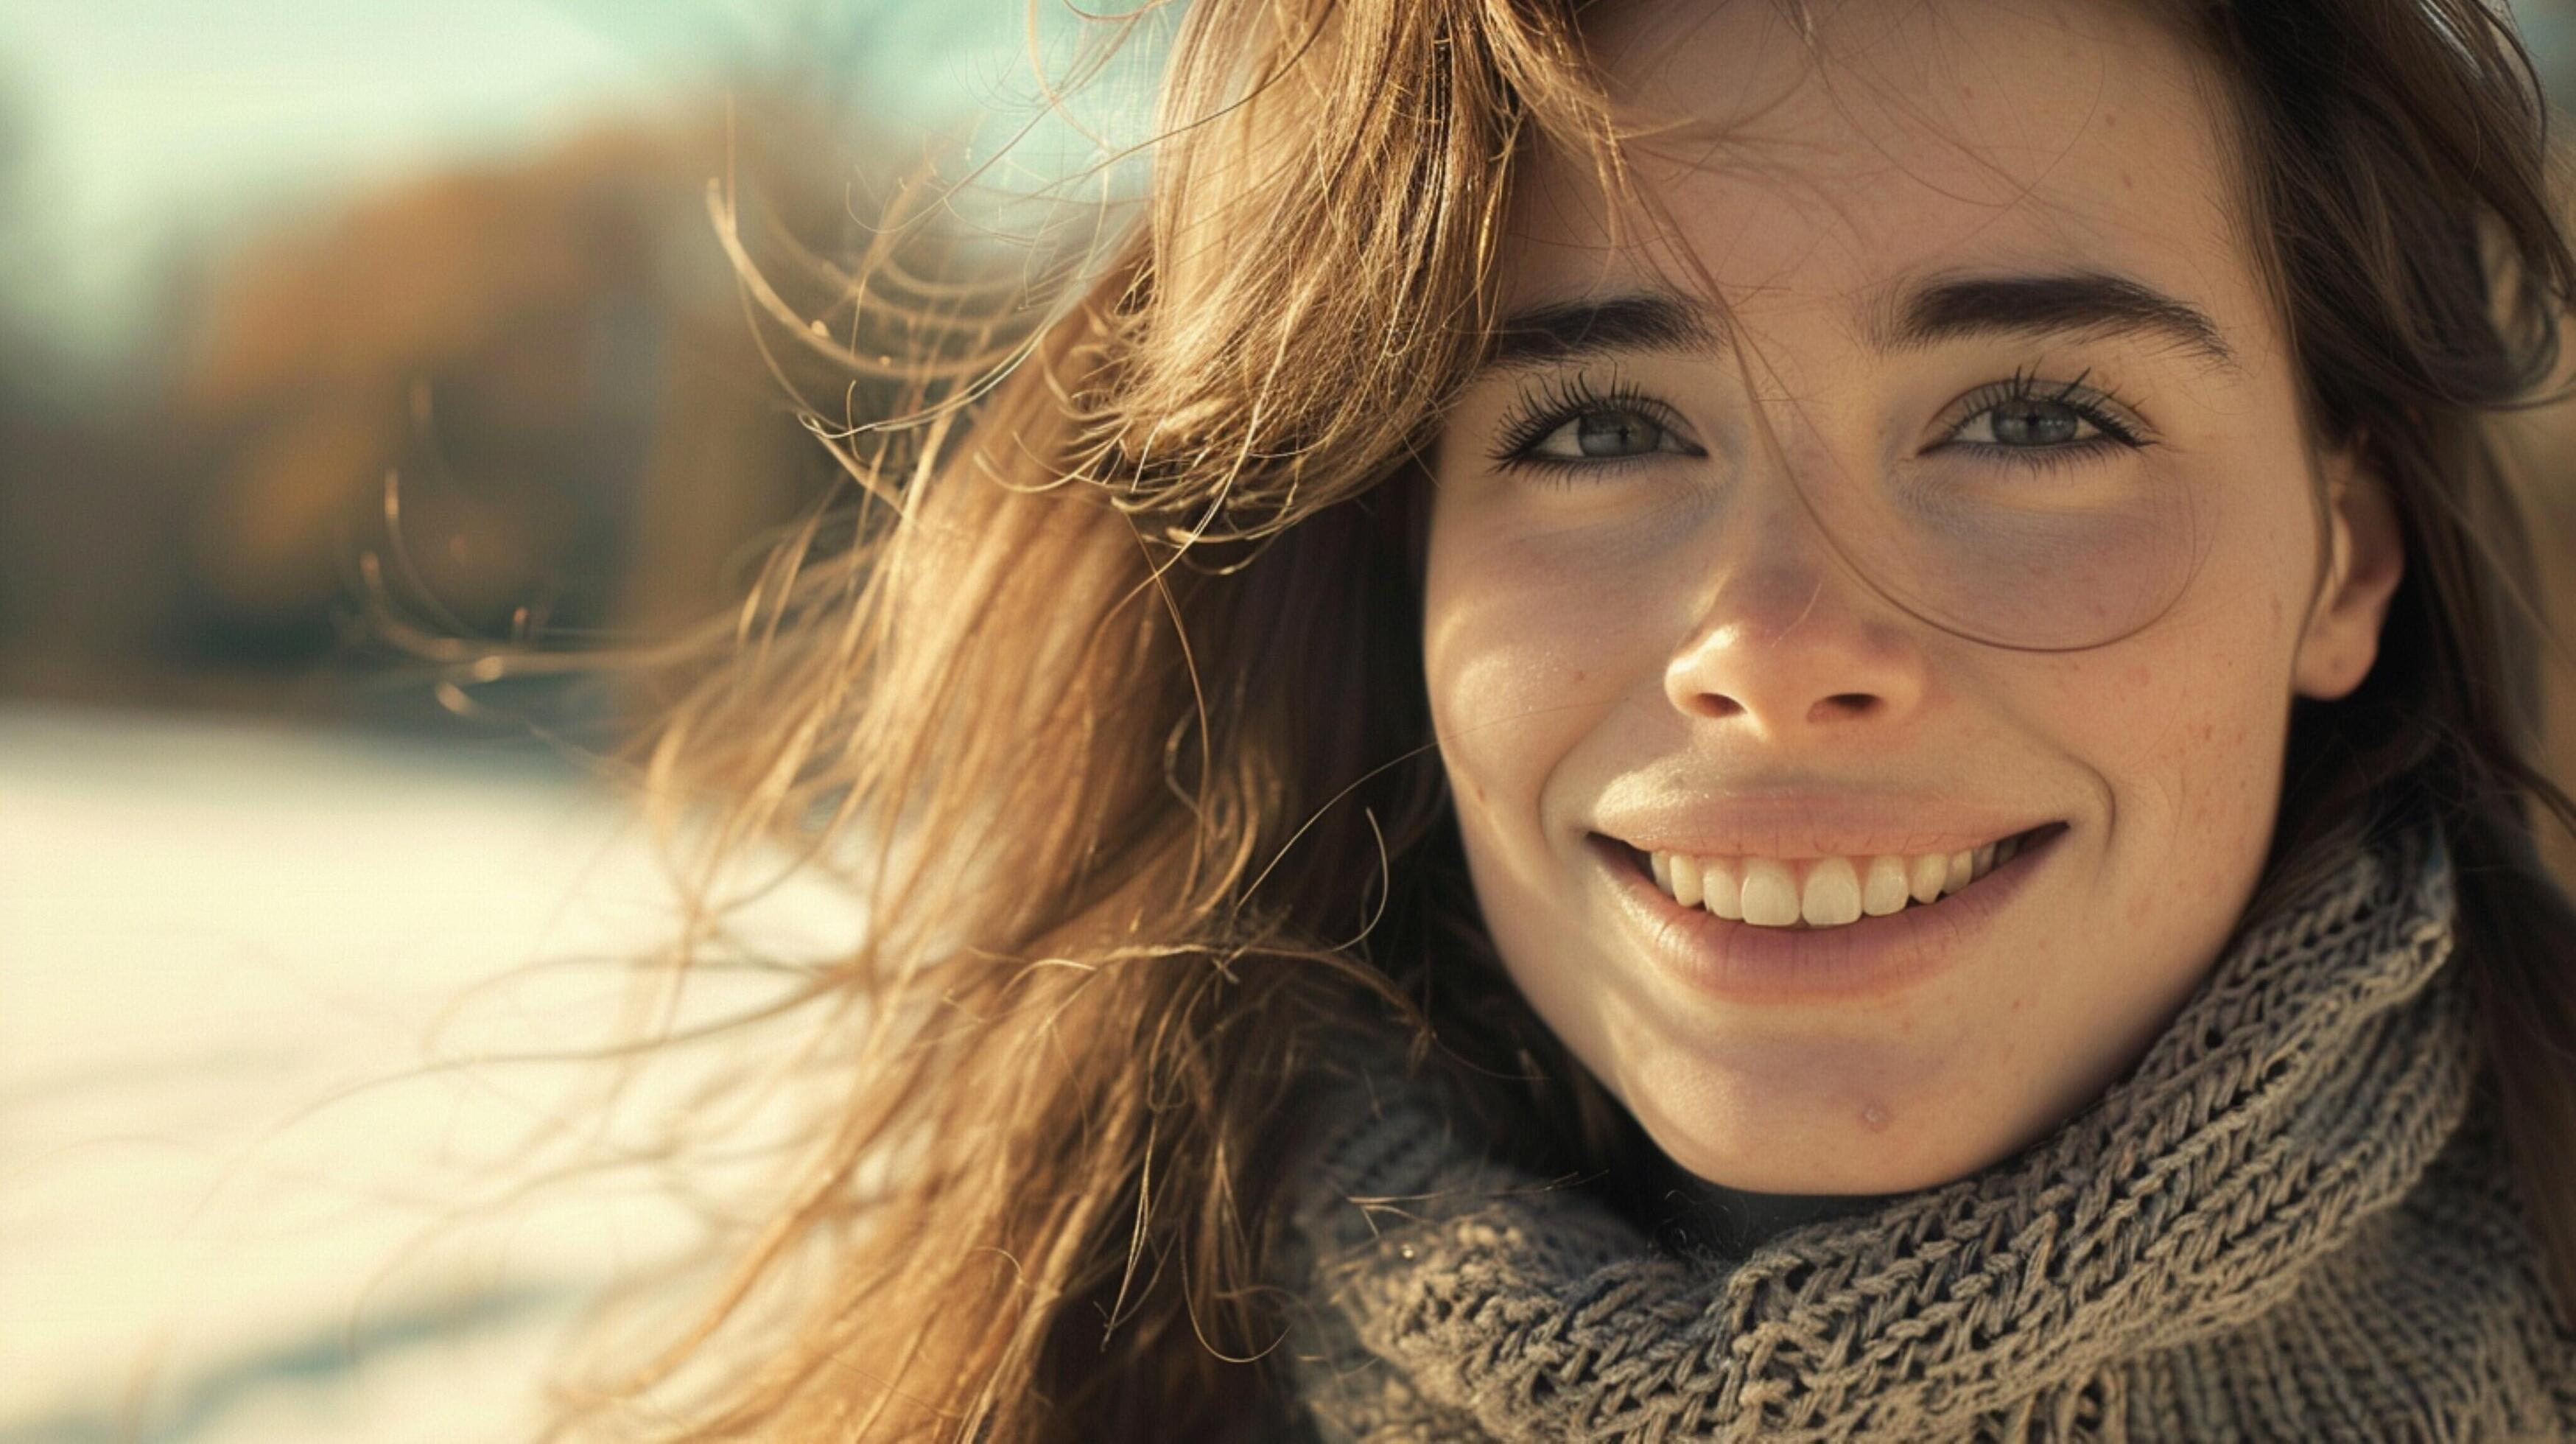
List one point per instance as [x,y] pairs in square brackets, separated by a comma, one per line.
[1639,639]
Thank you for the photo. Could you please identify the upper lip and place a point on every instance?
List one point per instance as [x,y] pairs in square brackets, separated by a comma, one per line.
[1809,824]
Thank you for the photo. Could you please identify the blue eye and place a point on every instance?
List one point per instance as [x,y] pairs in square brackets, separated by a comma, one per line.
[1607,434]
[2031,423]
[1569,426]
[2031,427]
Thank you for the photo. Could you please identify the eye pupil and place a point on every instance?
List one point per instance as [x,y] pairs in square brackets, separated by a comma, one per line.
[1612,433]
[2024,422]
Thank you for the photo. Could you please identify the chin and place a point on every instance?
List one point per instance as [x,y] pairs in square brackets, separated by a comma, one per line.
[1861,1169]
[1753,1140]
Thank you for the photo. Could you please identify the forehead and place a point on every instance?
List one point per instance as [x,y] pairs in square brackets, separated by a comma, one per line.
[1812,156]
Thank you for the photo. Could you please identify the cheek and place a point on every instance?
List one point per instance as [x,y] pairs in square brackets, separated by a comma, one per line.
[1522,655]
[2186,736]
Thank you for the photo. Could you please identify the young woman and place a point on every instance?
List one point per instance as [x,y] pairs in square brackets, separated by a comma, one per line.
[1668,719]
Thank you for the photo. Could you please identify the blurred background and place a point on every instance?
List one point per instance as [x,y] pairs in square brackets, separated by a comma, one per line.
[320,324]
[319,321]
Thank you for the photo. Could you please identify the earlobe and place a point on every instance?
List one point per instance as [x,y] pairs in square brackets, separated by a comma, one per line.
[2369,559]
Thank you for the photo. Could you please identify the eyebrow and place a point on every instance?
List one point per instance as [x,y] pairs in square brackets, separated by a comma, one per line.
[1573,330]
[1954,308]
[2080,302]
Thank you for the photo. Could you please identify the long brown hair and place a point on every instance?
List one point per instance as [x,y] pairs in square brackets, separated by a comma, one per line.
[1104,689]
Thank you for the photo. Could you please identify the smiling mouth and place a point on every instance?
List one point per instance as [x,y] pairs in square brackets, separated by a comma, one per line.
[1826,892]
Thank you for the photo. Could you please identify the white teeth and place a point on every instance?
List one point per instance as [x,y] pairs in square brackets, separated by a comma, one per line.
[1725,888]
[1827,892]
[1832,895]
[1884,890]
[1770,896]
[1686,881]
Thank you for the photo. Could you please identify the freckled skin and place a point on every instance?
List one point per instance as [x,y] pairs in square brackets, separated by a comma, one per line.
[1577,634]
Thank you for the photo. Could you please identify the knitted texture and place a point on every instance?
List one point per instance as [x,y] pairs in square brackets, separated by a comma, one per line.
[2287,1221]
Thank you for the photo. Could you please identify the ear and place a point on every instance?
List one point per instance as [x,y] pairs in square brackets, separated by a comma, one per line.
[2369,557]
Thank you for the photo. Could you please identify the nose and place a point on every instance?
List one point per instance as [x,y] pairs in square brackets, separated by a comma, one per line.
[1791,644]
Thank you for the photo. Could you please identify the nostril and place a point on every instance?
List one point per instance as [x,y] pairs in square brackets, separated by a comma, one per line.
[1846,704]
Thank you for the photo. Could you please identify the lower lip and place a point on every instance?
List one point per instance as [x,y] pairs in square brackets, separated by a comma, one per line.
[1873,958]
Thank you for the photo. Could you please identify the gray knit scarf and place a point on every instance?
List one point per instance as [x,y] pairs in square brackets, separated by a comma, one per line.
[2291,1220]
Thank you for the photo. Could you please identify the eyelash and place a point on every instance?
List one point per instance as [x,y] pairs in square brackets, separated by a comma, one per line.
[1543,409]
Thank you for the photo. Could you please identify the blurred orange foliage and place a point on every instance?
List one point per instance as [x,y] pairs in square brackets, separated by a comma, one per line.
[547,358]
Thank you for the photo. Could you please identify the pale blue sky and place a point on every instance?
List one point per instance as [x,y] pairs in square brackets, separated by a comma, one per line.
[148,122]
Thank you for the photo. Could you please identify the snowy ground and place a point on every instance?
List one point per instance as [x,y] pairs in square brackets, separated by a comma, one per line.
[262,998]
